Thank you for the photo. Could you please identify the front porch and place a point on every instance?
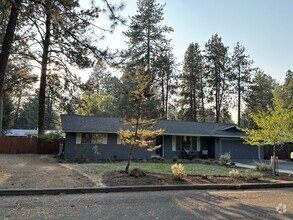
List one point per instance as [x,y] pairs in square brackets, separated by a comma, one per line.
[185,147]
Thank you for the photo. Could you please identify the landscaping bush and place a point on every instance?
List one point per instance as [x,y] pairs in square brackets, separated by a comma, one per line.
[51,137]
[175,158]
[234,173]
[259,166]
[136,172]
[157,158]
[178,172]
[225,158]
[252,175]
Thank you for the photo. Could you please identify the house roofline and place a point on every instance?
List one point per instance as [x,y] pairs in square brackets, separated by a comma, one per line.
[232,126]
[171,134]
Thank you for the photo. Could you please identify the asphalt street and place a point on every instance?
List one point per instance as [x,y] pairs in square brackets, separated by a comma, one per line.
[204,204]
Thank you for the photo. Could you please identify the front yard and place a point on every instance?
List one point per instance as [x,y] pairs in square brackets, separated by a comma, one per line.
[97,170]
[159,173]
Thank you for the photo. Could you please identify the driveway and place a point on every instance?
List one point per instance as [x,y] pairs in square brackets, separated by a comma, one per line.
[37,171]
[283,164]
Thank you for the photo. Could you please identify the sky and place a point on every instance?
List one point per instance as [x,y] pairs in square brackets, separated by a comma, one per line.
[263,27]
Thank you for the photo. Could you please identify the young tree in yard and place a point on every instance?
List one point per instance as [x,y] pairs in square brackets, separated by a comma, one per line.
[141,135]
[273,128]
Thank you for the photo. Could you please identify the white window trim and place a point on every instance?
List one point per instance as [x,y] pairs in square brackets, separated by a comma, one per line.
[173,143]
[105,138]
[78,138]
[198,144]
[118,139]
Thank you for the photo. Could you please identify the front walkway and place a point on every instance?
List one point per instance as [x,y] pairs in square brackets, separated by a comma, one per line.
[284,166]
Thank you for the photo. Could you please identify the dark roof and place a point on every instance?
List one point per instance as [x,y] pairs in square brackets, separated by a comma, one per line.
[77,123]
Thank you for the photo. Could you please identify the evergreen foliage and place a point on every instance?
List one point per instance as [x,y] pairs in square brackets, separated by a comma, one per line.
[192,103]
[259,97]
[218,75]
[147,43]
[241,66]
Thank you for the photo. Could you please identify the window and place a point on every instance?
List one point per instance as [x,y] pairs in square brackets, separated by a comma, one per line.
[118,139]
[184,142]
[91,138]
[198,144]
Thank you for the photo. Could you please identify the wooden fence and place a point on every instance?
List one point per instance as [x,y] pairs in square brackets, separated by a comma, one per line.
[25,145]
[282,153]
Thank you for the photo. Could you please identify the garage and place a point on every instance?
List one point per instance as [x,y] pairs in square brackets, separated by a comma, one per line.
[238,150]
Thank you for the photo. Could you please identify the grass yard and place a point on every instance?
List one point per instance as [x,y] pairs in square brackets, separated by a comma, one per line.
[97,170]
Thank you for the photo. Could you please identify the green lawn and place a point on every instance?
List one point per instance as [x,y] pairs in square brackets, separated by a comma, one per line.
[96,170]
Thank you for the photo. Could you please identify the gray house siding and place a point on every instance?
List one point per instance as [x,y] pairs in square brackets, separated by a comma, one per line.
[111,150]
[217,148]
[208,144]
[168,153]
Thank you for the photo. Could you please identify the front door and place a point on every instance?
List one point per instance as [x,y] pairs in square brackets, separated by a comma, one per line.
[159,141]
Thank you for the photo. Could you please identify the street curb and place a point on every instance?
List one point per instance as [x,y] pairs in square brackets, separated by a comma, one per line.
[58,191]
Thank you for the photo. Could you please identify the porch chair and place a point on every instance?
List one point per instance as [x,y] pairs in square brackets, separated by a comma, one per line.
[187,154]
[204,154]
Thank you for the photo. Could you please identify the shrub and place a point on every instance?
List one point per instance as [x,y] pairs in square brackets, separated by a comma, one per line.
[157,158]
[234,173]
[51,137]
[225,158]
[178,172]
[259,166]
[175,158]
[252,175]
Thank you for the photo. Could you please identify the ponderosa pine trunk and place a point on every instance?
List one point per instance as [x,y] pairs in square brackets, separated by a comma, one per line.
[202,100]
[239,97]
[217,95]
[5,52]
[42,92]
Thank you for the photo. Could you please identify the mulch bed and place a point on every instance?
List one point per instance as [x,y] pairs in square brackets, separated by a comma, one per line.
[119,178]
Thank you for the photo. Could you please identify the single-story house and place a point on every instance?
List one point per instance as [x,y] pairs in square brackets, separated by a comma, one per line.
[96,138]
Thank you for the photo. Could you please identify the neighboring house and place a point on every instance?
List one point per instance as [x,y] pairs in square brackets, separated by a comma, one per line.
[96,138]
[27,132]
[21,133]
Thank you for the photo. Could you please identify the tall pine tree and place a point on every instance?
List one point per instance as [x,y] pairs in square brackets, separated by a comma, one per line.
[241,76]
[192,103]
[147,43]
[259,97]
[219,75]
[62,29]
